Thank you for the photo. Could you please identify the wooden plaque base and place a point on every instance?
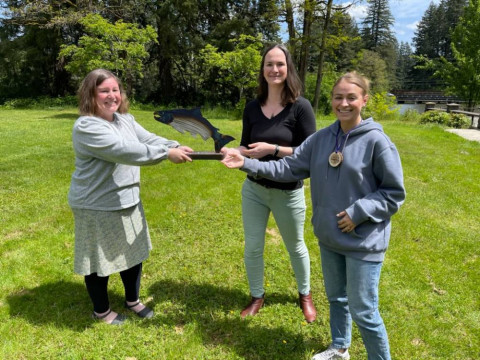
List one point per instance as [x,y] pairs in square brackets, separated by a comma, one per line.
[205,155]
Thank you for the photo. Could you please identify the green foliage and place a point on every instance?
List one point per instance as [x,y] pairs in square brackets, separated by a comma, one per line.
[329,78]
[461,73]
[235,70]
[371,64]
[120,47]
[377,24]
[410,115]
[434,117]
[44,102]
[458,121]
[452,120]
[381,106]
[433,36]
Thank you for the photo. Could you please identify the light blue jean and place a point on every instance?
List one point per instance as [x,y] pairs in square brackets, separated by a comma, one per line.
[288,209]
[352,291]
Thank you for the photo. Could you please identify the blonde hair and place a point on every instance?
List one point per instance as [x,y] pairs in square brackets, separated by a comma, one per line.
[353,77]
[87,103]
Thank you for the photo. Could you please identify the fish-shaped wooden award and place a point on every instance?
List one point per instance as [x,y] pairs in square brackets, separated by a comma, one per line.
[193,122]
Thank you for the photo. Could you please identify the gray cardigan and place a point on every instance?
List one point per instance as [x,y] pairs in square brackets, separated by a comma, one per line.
[368,185]
[108,156]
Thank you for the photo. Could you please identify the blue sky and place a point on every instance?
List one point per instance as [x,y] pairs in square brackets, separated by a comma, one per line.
[407,14]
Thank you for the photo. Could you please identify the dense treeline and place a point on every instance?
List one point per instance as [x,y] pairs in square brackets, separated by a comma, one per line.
[188,52]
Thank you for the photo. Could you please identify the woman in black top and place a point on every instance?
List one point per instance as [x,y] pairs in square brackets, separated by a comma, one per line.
[273,125]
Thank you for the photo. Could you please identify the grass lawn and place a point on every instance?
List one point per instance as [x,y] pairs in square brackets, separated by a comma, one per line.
[195,278]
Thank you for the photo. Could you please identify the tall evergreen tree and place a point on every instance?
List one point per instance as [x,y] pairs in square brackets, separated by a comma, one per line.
[432,39]
[405,65]
[461,74]
[433,35]
[377,35]
[454,10]
[377,25]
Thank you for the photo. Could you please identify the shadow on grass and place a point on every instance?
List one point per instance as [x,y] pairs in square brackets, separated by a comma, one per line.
[63,304]
[63,116]
[215,310]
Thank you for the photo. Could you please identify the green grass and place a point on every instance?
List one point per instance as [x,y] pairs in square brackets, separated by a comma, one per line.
[195,279]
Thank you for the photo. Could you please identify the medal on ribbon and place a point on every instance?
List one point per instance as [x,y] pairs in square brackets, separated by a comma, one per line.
[335,159]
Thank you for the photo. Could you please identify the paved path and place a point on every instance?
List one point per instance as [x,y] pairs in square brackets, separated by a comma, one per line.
[469,134]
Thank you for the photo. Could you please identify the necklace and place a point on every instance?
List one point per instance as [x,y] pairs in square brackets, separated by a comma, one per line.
[336,157]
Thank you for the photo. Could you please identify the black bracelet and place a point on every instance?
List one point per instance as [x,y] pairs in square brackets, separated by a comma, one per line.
[277,149]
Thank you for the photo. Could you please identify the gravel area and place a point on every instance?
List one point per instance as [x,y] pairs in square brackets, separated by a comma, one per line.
[469,134]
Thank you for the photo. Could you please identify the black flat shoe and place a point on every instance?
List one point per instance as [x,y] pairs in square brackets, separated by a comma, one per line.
[119,319]
[145,313]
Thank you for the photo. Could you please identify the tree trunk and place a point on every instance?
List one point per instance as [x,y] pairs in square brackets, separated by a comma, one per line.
[305,48]
[321,57]
[290,22]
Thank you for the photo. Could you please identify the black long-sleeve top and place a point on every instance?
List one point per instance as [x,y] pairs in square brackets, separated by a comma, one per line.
[290,127]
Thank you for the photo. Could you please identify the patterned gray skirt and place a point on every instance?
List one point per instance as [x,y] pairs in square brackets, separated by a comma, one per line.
[107,242]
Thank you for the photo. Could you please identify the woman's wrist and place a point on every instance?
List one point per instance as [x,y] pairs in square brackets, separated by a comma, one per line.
[276,151]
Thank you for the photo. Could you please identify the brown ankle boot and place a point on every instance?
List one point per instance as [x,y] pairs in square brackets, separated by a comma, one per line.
[306,304]
[253,306]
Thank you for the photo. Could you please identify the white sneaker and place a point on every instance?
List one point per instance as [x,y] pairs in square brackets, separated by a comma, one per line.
[331,353]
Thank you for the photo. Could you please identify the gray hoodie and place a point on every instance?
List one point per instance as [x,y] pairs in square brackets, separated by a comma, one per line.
[107,160]
[368,184]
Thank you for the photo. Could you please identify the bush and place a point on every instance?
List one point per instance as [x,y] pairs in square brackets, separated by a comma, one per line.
[43,102]
[434,117]
[410,115]
[457,121]
[381,106]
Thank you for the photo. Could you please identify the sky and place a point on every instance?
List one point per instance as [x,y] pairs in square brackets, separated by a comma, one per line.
[407,14]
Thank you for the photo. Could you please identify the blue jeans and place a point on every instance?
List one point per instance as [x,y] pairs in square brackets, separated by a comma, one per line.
[288,208]
[352,291]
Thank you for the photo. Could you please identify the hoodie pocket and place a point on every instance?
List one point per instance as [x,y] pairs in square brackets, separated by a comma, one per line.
[366,237]
[371,236]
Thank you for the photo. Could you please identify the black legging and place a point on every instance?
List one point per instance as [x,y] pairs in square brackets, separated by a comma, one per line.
[97,287]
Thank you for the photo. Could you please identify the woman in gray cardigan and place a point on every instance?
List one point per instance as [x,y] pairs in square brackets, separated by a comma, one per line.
[111,233]
[356,184]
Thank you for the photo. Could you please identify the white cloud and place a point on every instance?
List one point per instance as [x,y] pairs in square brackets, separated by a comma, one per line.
[357,11]
[409,9]
[413,26]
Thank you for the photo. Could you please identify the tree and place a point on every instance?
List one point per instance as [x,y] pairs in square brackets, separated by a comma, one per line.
[321,58]
[306,39]
[235,71]
[370,64]
[378,36]
[377,25]
[120,48]
[430,36]
[461,74]
[348,44]
[433,35]
[405,64]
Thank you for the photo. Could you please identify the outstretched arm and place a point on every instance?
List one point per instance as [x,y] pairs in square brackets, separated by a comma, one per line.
[232,158]
[179,155]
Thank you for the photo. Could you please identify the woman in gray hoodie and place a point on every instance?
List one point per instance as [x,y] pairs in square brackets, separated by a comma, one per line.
[356,183]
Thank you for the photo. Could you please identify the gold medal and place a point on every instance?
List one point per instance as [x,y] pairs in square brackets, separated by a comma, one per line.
[335,159]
